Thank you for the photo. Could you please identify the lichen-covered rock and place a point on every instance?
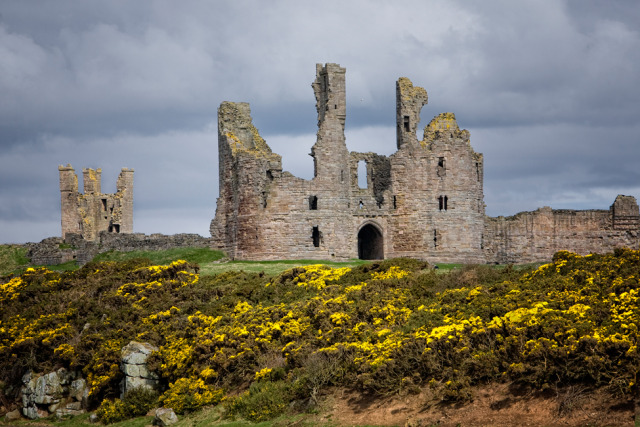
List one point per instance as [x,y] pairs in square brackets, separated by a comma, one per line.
[48,389]
[79,391]
[13,415]
[165,417]
[134,358]
[45,394]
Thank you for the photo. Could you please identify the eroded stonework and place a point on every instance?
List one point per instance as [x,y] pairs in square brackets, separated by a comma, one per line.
[424,201]
[92,212]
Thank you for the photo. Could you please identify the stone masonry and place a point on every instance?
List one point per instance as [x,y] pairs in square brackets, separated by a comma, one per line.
[424,201]
[92,212]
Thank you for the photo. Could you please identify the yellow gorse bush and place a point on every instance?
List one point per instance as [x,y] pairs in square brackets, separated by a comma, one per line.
[380,328]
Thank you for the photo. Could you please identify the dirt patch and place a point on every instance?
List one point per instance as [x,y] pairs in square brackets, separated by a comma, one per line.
[493,405]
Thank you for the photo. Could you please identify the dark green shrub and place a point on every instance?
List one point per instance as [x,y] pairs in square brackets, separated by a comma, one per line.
[135,403]
[263,401]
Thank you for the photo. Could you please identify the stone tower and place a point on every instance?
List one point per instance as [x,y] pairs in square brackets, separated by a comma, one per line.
[91,212]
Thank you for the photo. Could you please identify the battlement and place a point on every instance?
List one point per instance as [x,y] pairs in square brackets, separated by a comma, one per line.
[88,213]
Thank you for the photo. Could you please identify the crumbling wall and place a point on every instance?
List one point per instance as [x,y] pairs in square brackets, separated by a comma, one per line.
[91,212]
[55,250]
[536,236]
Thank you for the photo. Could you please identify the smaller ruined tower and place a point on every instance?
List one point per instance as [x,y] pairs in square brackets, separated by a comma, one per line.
[91,212]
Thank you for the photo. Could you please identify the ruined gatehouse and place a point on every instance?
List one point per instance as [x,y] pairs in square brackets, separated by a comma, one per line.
[424,201]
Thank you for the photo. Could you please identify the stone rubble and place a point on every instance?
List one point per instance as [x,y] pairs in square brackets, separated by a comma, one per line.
[59,392]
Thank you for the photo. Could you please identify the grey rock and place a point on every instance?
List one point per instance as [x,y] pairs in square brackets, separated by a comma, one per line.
[13,415]
[74,406]
[136,353]
[165,417]
[78,389]
[134,357]
[63,413]
[48,389]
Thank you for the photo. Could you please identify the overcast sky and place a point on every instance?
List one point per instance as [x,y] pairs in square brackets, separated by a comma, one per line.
[549,89]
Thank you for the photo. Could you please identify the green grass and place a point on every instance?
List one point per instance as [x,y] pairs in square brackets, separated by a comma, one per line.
[197,255]
[83,421]
[12,259]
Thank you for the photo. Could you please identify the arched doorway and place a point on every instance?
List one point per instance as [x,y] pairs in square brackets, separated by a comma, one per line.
[370,243]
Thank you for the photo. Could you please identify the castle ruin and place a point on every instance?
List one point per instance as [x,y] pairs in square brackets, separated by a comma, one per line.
[424,201]
[90,213]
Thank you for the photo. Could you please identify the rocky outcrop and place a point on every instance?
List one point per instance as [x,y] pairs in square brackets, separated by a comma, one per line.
[165,417]
[134,365]
[60,392]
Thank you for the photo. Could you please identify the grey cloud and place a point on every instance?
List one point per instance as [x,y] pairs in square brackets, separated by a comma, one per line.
[548,90]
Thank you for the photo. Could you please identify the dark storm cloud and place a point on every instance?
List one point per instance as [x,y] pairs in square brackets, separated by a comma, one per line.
[548,90]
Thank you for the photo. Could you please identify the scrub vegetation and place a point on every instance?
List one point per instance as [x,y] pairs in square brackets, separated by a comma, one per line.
[258,346]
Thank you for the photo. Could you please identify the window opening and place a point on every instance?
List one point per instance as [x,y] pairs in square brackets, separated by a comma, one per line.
[362,174]
[361,205]
[270,175]
[264,199]
[342,176]
[442,203]
[435,238]
[313,203]
[406,123]
[104,205]
[442,168]
[315,236]
[395,206]
[478,170]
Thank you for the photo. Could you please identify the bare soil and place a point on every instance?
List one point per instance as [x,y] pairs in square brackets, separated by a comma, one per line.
[493,405]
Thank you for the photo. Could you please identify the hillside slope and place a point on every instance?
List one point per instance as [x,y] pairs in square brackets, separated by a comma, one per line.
[277,344]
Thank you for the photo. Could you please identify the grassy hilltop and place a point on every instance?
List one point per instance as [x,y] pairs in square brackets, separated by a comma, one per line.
[271,342]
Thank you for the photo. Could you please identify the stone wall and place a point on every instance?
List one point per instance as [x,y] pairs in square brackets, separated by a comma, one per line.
[536,236]
[424,201]
[55,250]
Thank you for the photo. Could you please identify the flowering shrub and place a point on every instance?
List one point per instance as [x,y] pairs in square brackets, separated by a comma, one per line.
[135,402]
[189,394]
[382,328]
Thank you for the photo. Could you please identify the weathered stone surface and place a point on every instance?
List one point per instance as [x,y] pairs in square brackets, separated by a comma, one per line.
[33,412]
[165,417]
[89,213]
[134,358]
[48,389]
[48,251]
[78,390]
[43,394]
[424,201]
[13,415]
[66,412]
[265,213]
